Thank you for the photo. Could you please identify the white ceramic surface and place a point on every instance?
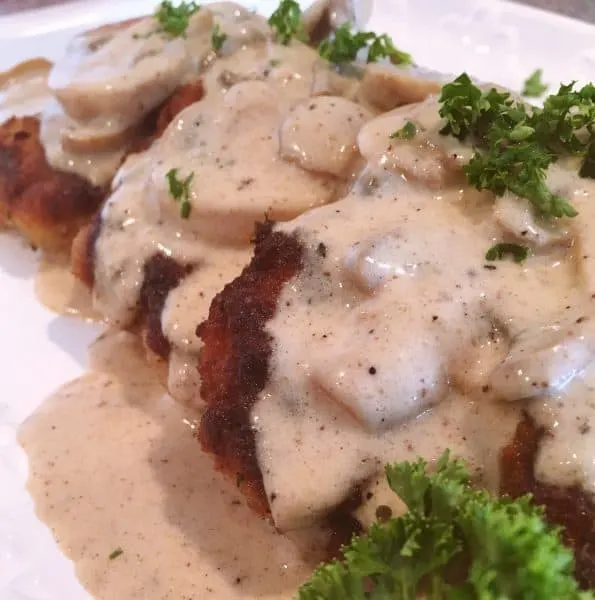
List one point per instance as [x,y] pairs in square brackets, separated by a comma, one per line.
[39,351]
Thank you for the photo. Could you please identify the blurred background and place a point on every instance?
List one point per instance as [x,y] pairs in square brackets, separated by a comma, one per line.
[580,9]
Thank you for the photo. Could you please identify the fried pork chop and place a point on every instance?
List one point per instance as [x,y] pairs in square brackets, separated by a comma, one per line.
[235,368]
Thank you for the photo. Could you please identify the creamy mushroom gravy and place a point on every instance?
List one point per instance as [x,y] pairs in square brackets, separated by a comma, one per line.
[274,136]
[398,339]
[114,465]
[112,77]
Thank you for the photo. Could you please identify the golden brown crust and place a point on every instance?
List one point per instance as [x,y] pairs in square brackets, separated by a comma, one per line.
[46,206]
[161,275]
[234,360]
[569,507]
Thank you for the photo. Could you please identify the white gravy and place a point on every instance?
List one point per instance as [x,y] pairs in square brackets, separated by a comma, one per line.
[110,79]
[399,339]
[60,291]
[114,466]
[274,136]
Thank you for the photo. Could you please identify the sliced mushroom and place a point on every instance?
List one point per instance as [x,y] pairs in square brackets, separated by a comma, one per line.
[124,73]
[425,157]
[517,218]
[386,87]
[26,69]
[90,139]
[545,360]
[330,119]
[23,89]
[379,384]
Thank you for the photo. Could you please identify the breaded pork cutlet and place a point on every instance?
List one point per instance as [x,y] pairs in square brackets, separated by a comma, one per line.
[235,368]
[48,207]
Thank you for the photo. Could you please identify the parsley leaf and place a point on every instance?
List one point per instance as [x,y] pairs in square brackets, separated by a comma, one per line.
[566,123]
[520,169]
[179,190]
[406,132]
[346,44]
[501,548]
[499,251]
[287,22]
[534,86]
[175,19]
[115,553]
[383,47]
[217,38]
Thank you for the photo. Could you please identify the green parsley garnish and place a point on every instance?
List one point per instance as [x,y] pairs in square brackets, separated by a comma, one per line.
[566,123]
[534,86]
[117,552]
[217,38]
[287,22]
[179,190]
[175,19]
[499,251]
[453,543]
[346,44]
[406,132]
[515,144]
[383,47]
[520,169]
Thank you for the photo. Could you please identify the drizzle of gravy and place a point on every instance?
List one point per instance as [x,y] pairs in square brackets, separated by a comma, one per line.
[60,291]
[114,465]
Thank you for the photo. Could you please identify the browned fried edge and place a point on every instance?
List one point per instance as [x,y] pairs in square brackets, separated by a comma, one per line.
[46,205]
[569,507]
[235,358]
[161,275]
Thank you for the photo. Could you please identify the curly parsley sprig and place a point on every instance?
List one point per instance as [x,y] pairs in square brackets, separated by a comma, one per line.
[498,251]
[346,44]
[174,20]
[287,22]
[502,548]
[516,144]
[534,87]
